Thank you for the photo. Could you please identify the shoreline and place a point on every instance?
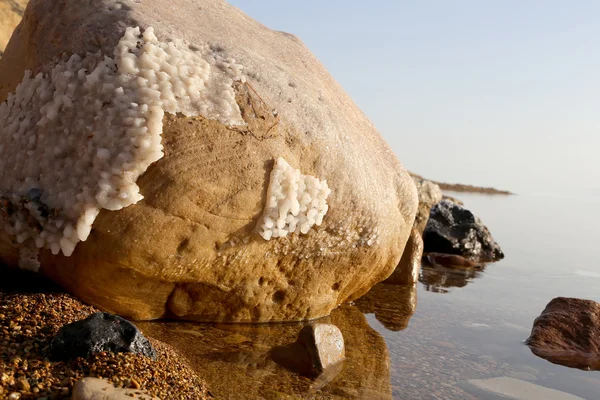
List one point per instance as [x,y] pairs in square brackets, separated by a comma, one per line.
[463,188]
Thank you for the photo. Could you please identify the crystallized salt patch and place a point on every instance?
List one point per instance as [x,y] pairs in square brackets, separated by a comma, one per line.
[75,141]
[295,202]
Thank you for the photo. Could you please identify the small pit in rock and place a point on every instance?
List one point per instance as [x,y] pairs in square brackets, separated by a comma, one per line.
[278,296]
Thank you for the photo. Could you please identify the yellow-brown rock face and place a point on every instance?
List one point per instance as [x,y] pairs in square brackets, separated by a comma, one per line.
[190,249]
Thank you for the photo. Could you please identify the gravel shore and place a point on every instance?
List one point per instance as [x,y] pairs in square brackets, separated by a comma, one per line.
[28,321]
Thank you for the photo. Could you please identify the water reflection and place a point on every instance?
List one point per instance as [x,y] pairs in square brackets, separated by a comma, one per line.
[236,361]
[438,279]
[393,305]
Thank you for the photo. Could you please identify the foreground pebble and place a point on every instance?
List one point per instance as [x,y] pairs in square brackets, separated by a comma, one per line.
[99,332]
[101,389]
[318,350]
[28,322]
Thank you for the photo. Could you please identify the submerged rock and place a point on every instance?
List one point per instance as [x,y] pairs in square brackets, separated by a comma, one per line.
[318,350]
[101,389]
[97,333]
[450,261]
[429,195]
[567,332]
[231,180]
[407,271]
[452,229]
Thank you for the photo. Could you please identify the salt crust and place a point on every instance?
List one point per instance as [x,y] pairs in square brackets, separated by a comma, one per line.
[74,141]
[295,202]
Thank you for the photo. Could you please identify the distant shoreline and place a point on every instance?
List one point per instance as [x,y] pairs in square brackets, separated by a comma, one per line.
[459,187]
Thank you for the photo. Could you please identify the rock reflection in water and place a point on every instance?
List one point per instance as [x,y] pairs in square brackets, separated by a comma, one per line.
[236,362]
[393,305]
[438,278]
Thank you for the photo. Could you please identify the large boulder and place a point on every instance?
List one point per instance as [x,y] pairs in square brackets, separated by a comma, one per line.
[452,229]
[567,332]
[200,166]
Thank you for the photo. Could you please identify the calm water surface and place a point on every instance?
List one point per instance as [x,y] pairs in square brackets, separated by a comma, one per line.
[473,327]
[436,340]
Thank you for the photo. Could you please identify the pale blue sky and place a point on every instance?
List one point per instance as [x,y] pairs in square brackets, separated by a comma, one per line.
[502,93]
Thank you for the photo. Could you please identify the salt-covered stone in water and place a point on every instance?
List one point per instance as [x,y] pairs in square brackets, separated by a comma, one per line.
[62,162]
[295,202]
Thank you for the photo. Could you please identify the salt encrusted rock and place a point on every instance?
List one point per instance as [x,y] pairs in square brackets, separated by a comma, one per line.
[236,97]
[295,202]
[101,389]
[97,333]
[452,229]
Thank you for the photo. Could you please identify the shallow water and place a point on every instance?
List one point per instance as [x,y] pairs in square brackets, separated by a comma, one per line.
[436,340]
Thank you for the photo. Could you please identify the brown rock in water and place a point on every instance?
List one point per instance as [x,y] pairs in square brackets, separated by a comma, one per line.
[567,332]
[189,249]
[407,271]
[318,349]
[450,261]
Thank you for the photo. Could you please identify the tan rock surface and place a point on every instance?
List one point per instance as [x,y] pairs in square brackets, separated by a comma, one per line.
[101,389]
[11,12]
[429,195]
[407,271]
[189,249]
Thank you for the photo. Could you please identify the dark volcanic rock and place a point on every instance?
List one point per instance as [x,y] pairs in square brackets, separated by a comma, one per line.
[97,333]
[567,332]
[452,229]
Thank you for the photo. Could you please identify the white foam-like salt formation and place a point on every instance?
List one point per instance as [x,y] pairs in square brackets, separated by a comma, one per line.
[74,141]
[295,202]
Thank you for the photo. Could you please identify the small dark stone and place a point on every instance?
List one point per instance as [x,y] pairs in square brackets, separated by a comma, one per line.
[452,229]
[97,333]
